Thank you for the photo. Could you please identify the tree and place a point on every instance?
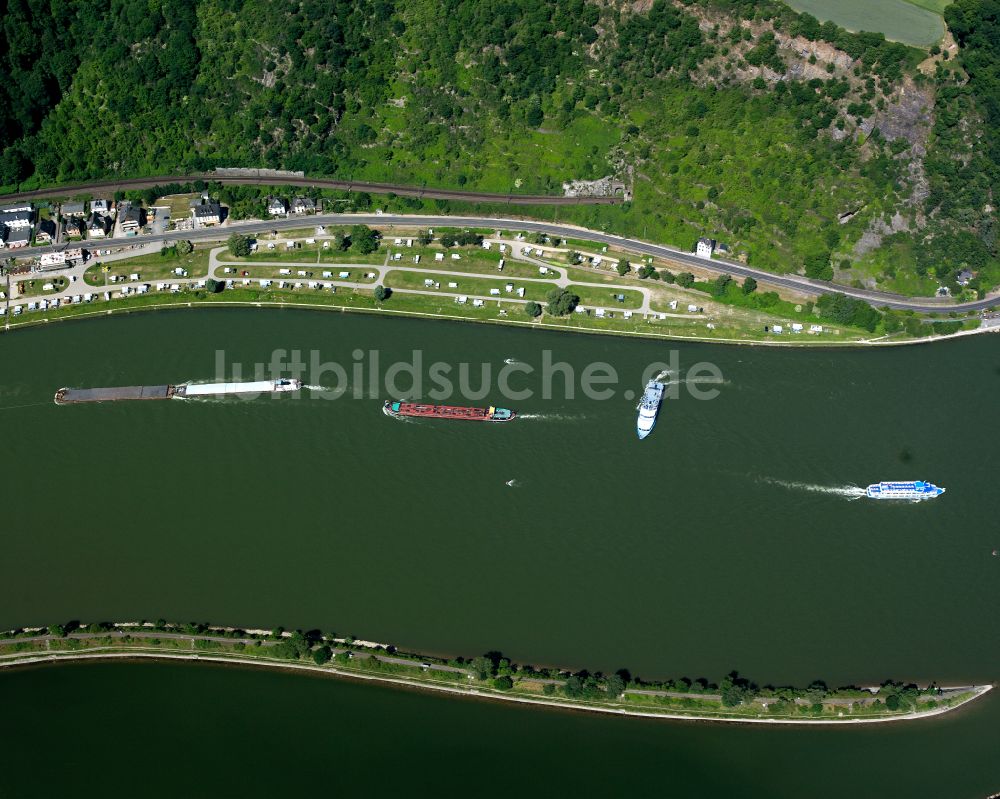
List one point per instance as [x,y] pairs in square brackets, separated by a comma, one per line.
[535,116]
[57,630]
[667,276]
[720,285]
[615,686]
[184,247]
[817,265]
[624,267]
[213,286]
[562,302]
[685,280]
[482,667]
[549,689]
[573,687]
[322,655]
[572,257]
[364,239]
[533,309]
[382,293]
[425,237]
[749,286]
[239,245]
[503,683]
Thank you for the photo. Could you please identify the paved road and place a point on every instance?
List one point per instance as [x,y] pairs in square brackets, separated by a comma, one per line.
[151,633]
[111,186]
[385,221]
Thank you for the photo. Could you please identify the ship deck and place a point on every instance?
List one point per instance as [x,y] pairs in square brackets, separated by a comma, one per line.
[113,394]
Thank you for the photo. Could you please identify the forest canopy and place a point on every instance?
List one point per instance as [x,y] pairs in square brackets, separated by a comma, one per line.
[786,137]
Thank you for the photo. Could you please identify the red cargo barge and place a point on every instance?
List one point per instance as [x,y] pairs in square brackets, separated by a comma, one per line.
[490,414]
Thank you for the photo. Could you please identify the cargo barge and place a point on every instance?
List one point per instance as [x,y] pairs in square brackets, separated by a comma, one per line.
[490,414]
[72,396]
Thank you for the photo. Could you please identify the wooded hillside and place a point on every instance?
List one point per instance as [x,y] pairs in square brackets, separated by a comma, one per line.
[803,146]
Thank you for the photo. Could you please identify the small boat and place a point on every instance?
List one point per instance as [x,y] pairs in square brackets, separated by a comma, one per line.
[910,489]
[649,407]
[417,409]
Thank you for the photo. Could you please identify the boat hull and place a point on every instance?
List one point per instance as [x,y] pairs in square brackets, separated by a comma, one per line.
[907,491]
[649,408]
[418,410]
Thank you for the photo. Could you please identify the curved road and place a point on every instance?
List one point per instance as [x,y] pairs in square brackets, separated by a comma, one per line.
[402,190]
[793,282]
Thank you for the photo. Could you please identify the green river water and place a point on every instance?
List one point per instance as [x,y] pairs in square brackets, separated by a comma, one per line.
[728,539]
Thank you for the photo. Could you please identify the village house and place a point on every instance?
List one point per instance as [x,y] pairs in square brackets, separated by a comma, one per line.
[46,231]
[206,212]
[132,219]
[73,209]
[964,277]
[277,206]
[18,237]
[75,228]
[16,218]
[303,205]
[99,227]
[705,247]
[100,207]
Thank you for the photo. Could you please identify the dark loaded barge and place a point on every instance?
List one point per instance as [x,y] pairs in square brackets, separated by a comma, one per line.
[417,409]
[71,396]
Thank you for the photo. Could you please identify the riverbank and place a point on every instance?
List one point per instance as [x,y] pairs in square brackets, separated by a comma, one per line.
[364,302]
[489,677]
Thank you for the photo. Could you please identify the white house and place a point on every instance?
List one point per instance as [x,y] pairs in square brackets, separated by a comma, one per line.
[705,247]
[277,206]
[207,212]
[16,219]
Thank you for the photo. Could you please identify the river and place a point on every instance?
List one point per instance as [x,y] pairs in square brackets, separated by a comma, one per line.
[729,539]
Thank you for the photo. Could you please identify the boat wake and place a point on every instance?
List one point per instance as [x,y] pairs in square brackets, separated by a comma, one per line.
[695,381]
[338,391]
[398,418]
[848,492]
[551,417]
[513,484]
[511,361]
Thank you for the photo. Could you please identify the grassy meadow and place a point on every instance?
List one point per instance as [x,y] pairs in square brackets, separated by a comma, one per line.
[916,22]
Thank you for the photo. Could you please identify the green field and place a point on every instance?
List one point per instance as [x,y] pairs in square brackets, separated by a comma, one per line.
[150,267]
[937,6]
[916,22]
[468,285]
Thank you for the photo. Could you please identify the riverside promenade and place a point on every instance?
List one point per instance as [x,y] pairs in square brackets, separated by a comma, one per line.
[376,662]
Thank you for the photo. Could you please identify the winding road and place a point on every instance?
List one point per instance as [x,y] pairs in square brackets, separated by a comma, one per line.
[387,221]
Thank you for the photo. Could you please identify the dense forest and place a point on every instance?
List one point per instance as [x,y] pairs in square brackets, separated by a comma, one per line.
[803,146]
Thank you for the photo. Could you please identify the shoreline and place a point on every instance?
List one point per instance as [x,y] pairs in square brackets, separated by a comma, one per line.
[169,304]
[977,691]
